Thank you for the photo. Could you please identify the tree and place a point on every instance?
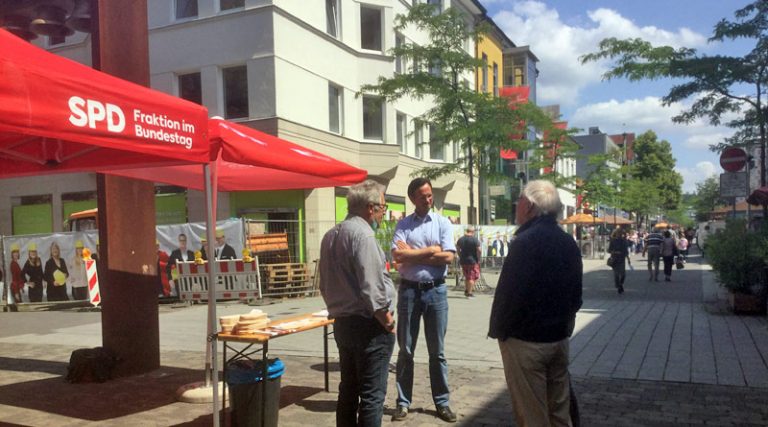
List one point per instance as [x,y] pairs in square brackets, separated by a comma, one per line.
[654,163]
[641,197]
[707,198]
[717,82]
[480,123]
[599,187]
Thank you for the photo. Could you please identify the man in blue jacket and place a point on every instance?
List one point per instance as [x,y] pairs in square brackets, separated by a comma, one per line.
[534,309]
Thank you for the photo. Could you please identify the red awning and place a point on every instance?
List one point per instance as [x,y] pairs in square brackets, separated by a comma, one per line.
[251,160]
[57,115]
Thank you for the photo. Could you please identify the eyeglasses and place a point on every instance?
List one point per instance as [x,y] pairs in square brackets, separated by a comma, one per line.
[380,206]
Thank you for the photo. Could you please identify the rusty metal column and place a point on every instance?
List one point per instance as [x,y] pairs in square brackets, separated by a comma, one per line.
[130,324]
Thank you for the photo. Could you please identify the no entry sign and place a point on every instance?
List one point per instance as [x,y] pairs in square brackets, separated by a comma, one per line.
[733,159]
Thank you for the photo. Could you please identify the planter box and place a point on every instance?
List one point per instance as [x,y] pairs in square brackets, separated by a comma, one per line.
[742,303]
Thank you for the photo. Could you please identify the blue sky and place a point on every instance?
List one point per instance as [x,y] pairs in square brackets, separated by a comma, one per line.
[560,31]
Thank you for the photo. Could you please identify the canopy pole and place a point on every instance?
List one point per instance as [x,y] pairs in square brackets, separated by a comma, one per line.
[212,371]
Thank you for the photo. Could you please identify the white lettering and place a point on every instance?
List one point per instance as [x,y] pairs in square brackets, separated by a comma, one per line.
[115,118]
[78,117]
[96,112]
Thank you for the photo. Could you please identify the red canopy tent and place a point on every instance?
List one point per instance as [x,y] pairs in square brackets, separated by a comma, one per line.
[250,160]
[57,115]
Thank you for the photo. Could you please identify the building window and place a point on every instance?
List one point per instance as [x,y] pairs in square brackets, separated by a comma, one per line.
[495,79]
[235,92]
[190,88]
[519,76]
[231,4]
[484,84]
[186,9]
[370,28]
[373,118]
[437,3]
[508,73]
[436,146]
[399,42]
[435,68]
[335,110]
[402,131]
[332,17]
[419,140]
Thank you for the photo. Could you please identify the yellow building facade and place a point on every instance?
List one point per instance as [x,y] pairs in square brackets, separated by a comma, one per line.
[490,49]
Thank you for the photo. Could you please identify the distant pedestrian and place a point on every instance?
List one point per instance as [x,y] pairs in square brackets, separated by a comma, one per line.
[653,249]
[359,295]
[668,252]
[619,252]
[534,309]
[470,255]
[682,247]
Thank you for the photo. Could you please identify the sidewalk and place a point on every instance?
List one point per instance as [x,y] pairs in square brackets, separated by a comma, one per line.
[655,355]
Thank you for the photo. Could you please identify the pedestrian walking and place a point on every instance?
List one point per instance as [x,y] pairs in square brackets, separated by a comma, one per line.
[470,254]
[359,296]
[534,309]
[653,249]
[618,248]
[668,253]
[682,247]
[423,246]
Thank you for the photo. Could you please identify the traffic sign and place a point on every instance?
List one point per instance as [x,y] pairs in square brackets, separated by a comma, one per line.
[733,184]
[733,159]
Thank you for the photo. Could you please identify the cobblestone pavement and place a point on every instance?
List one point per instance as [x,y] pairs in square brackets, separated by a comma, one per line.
[657,355]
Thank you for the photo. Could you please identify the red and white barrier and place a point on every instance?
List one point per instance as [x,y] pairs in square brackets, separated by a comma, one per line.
[93,281]
[237,279]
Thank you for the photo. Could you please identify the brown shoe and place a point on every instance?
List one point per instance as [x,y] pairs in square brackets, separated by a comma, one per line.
[445,414]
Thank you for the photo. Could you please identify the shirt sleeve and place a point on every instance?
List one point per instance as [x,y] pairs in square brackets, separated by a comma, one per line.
[370,272]
[399,235]
[446,234]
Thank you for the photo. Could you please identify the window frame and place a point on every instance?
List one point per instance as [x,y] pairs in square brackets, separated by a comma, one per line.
[224,91]
[484,75]
[339,109]
[336,19]
[379,38]
[366,101]
[176,4]
[401,131]
[434,141]
[199,85]
[221,9]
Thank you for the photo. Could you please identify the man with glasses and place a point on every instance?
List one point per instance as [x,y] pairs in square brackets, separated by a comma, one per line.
[179,254]
[423,247]
[359,296]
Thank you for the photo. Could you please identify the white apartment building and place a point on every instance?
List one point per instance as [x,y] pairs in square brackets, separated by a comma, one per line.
[292,68]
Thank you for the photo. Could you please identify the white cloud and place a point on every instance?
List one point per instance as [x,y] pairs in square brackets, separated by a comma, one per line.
[559,45]
[696,174]
[639,115]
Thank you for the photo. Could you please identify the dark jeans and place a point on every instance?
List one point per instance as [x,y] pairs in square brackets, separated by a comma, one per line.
[365,349]
[619,272]
[669,261]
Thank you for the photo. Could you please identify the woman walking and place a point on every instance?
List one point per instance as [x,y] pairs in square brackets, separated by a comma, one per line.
[619,252]
[668,252]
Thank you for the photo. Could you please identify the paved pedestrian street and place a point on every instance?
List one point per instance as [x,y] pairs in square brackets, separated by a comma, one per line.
[661,354]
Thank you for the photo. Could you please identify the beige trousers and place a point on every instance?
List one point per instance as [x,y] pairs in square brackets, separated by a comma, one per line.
[537,379]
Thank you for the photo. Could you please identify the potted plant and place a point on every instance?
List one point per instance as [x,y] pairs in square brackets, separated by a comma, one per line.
[738,257]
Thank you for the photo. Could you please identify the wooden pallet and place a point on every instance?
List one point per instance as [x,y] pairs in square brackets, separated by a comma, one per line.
[288,279]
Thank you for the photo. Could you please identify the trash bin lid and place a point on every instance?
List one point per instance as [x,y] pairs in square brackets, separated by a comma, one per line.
[250,371]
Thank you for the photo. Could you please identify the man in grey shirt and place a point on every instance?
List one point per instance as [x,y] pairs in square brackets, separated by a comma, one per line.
[358,294]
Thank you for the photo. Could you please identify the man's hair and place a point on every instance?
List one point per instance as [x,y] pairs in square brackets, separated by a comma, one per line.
[543,195]
[182,235]
[416,184]
[359,195]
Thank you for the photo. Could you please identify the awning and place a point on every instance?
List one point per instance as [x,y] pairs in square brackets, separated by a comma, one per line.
[57,115]
[250,160]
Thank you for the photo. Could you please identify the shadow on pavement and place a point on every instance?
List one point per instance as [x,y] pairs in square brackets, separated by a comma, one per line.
[92,401]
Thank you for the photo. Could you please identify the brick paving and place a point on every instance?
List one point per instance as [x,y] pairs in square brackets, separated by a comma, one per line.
[657,355]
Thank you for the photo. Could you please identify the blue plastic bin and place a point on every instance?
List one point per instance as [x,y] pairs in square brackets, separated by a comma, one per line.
[244,380]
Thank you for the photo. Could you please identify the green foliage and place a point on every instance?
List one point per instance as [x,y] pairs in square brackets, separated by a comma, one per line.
[707,198]
[601,183]
[640,196]
[654,163]
[737,255]
[384,235]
